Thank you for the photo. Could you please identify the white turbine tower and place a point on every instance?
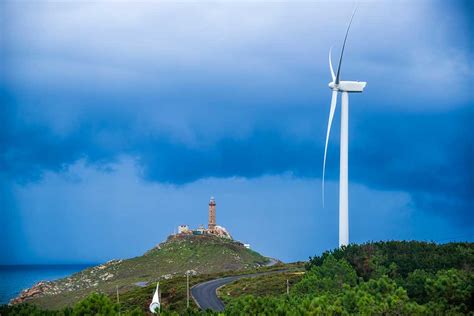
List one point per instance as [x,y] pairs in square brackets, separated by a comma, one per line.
[345,87]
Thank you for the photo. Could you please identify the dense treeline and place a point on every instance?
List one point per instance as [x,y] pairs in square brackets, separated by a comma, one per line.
[419,267]
[334,288]
[399,258]
[391,278]
[95,304]
[382,278]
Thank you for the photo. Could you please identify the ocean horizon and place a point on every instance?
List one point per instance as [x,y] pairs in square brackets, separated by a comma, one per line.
[15,278]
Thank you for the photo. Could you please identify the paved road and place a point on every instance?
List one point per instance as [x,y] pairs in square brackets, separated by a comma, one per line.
[205,295]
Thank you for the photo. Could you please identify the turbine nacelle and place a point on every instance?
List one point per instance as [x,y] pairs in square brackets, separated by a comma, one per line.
[348,86]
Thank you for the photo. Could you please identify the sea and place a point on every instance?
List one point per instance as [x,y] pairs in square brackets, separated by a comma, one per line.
[15,278]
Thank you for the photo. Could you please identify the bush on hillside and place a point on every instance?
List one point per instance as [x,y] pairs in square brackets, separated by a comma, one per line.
[331,276]
[95,304]
[452,287]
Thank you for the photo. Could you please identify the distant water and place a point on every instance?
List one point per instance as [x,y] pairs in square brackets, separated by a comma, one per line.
[14,279]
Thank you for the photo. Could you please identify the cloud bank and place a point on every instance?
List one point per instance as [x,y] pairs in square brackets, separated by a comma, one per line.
[187,92]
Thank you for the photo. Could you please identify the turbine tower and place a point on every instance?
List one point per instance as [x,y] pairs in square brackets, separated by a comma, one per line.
[345,87]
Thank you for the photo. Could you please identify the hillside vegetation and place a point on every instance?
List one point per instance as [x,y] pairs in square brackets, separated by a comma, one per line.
[265,285]
[202,255]
[381,278]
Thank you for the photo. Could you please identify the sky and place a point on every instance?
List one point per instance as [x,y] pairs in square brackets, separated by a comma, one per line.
[120,119]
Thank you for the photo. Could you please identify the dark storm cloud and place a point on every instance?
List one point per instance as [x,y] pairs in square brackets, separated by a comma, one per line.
[417,150]
[238,91]
[28,150]
[427,154]
[418,153]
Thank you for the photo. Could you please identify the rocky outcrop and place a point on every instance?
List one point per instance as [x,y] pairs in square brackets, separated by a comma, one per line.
[89,278]
[38,289]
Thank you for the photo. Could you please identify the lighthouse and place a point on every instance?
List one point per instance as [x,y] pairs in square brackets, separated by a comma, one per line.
[212,214]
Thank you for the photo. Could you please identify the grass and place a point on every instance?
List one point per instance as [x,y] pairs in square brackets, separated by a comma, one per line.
[207,255]
[265,285]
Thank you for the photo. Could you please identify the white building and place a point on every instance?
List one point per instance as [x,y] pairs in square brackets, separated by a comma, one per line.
[183,229]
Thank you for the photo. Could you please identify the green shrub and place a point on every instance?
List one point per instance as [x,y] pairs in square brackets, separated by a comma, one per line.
[96,304]
[329,277]
[415,284]
[452,287]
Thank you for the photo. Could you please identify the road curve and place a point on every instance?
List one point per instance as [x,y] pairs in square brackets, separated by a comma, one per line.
[271,262]
[205,296]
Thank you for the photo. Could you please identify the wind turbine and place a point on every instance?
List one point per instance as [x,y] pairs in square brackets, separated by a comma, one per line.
[345,87]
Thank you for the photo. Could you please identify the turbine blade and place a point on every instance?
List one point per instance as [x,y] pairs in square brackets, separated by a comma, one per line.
[343,46]
[330,65]
[331,116]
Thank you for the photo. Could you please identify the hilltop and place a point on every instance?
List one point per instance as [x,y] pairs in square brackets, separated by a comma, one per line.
[200,254]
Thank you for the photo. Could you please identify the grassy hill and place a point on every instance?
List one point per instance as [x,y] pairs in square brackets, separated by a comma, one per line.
[202,255]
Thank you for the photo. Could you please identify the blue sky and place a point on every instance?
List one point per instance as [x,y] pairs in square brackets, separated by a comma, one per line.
[120,119]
